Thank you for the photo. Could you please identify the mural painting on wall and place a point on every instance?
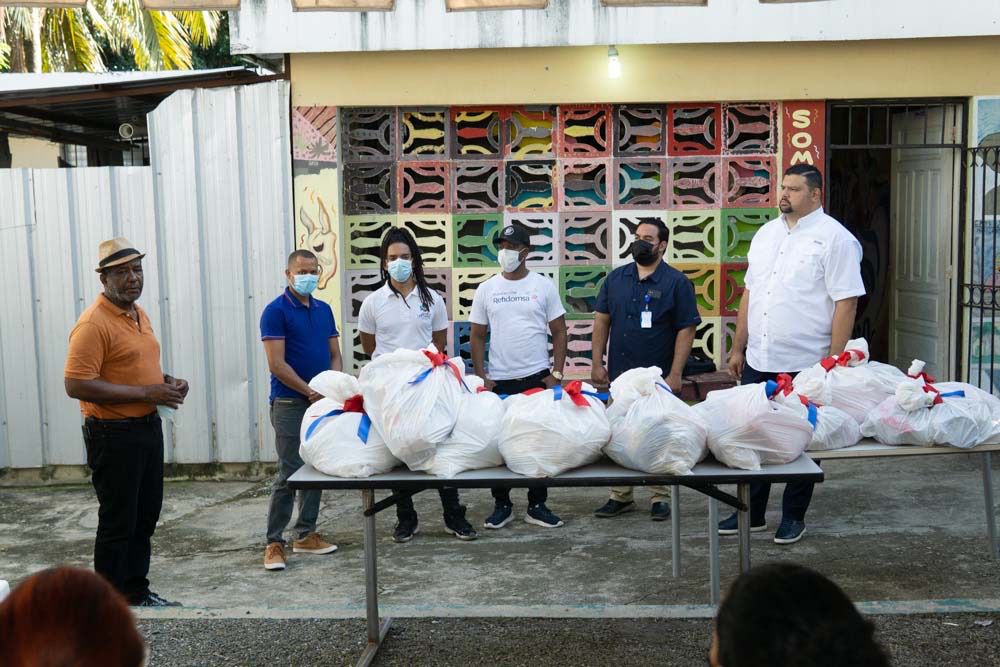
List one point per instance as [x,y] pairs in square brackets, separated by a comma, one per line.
[581,177]
[317,193]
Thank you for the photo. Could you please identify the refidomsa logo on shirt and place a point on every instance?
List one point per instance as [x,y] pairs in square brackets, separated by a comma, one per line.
[511,298]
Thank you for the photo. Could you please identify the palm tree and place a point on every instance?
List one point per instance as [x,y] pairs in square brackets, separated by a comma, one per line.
[72,39]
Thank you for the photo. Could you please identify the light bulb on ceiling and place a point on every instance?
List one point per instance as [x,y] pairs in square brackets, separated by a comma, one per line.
[614,64]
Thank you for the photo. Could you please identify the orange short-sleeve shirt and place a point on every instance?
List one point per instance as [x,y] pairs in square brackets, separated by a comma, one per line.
[108,344]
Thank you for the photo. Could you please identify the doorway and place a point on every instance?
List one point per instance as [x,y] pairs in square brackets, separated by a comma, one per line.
[895,181]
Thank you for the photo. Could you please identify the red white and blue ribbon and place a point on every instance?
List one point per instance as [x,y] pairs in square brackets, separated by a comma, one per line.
[573,389]
[783,385]
[353,404]
[439,359]
[939,397]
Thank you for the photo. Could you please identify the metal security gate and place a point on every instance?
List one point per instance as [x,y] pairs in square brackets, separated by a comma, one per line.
[981,284]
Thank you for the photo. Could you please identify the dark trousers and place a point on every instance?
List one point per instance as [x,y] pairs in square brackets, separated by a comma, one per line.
[536,495]
[795,500]
[286,418]
[404,506]
[126,457]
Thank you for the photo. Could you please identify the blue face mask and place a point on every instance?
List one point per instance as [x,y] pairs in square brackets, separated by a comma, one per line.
[401,270]
[305,283]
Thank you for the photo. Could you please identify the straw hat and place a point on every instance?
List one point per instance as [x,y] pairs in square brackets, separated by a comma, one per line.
[114,252]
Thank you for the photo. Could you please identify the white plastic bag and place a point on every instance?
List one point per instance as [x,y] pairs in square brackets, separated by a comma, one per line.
[964,420]
[849,382]
[747,430]
[475,441]
[413,398]
[549,432]
[832,428]
[337,437]
[4,589]
[651,429]
[835,429]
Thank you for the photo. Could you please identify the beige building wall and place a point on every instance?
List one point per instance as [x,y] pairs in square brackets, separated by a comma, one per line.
[961,67]
[32,153]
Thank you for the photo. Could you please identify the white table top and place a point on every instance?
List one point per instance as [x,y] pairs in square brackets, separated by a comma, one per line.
[602,473]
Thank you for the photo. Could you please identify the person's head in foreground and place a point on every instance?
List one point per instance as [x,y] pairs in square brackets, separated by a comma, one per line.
[786,615]
[68,617]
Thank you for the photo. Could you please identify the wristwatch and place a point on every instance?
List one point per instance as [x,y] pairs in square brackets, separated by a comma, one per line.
[557,375]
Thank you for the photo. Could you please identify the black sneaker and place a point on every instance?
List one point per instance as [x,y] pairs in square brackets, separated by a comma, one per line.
[404,531]
[456,524]
[150,599]
[731,526]
[790,531]
[540,515]
[659,511]
[502,515]
[613,508]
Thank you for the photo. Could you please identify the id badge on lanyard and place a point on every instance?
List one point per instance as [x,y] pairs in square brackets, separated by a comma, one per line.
[646,317]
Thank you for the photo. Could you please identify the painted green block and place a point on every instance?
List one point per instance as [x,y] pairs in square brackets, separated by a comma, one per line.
[738,227]
[579,286]
[475,239]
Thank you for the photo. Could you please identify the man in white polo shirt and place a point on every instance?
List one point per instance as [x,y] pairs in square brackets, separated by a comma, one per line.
[405,313]
[802,289]
[521,309]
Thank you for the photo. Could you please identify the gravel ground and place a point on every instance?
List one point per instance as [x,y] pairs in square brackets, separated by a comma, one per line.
[952,640]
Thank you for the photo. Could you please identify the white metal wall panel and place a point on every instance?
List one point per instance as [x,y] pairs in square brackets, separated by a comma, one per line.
[264,164]
[55,304]
[214,215]
[221,164]
[21,411]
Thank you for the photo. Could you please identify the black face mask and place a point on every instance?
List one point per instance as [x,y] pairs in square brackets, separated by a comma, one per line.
[643,252]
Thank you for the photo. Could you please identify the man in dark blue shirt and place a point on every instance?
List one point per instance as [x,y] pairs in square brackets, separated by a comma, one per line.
[301,340]
[649,309]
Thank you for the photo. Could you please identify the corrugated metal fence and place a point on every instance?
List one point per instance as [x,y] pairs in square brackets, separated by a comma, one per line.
[214,215]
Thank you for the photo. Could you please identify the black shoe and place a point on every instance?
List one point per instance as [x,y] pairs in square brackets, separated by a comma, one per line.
[456,524]
[790,531]
[540,515]
[613,508]
[731,526]
[503,514]
[659,511]
[404,531]
[150,599]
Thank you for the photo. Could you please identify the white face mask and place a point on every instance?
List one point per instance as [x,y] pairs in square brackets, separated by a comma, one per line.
[509,260]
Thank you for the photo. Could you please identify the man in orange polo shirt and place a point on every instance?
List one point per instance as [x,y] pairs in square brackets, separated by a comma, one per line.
[113,369]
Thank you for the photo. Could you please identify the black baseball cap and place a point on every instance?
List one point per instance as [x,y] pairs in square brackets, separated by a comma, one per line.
[515,233]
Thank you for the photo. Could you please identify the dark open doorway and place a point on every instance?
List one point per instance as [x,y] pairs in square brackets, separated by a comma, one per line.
[894,180]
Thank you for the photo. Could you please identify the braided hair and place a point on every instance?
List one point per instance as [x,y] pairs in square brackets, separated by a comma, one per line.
[402,235]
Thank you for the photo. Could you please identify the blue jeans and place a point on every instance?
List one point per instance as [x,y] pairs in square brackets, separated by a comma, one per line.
[286,417]
[797,496]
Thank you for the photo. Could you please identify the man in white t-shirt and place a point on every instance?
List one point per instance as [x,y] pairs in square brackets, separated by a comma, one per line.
[405,313]
[521,309]
[802,289]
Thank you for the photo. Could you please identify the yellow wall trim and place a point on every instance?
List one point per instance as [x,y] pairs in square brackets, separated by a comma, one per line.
[960,67]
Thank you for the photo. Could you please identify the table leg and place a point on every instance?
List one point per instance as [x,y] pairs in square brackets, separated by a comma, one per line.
[675,530]
[991,515]
[376,631]
[743,523]
[713,550]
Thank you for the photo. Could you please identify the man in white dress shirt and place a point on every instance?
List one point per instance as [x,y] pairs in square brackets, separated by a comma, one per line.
[801,296]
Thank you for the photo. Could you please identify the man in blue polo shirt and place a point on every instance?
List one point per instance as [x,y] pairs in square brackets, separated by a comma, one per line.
[301,340]
[651,312]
